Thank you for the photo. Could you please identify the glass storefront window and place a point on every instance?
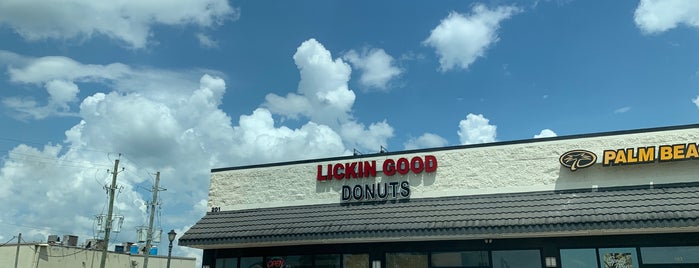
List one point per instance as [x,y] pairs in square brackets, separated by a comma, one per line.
[355,261]
[328,261]
[299,261]
[251,262]
[517,259]
[618,258]
[227,263]
[670,255]
[461,259]
[579,258]
[406,260]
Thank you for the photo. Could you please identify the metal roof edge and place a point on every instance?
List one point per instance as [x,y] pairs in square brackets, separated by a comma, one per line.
[571,233]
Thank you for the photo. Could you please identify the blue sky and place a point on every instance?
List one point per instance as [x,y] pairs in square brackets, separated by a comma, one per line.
[183,88]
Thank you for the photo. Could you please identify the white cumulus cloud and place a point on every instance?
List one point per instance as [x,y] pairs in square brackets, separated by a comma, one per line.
[61,94]
[545,133]
[461,39]
[377,67]
[656,16]
[127,21]
[427,140]
[158,120]
[323,93]
[476,129]
[357,136]
[206,41]
[41,70]
[167,121]
[324,97]
[61,77]
[622,110]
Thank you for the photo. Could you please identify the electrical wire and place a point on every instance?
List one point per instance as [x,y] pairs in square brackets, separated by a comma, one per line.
[8,241]
[40,228]
[56,256]
[50,160]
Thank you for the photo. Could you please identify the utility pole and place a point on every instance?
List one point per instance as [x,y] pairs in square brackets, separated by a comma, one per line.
[108,225]
[19,239]
[149,236]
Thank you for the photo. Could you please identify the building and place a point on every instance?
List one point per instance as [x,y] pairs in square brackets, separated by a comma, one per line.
[616,199]
[56,255]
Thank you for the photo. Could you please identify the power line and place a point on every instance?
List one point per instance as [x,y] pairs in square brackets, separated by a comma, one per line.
[8,241]
[55,161]
[54,230]
[57,256]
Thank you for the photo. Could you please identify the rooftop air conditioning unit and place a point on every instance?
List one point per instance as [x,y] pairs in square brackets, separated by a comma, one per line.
[70,240]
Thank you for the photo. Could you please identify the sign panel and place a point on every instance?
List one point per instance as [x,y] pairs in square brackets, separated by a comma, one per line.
[368,169]
[577,159]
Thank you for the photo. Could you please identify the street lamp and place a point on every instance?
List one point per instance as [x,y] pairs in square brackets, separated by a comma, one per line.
[170,236]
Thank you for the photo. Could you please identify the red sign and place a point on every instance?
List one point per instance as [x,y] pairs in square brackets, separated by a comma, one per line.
[275,262]
[363,169]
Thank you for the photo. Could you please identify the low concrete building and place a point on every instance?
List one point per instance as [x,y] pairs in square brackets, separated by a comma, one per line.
[40,255]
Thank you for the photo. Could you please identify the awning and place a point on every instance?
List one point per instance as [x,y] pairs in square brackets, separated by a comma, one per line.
[650,209]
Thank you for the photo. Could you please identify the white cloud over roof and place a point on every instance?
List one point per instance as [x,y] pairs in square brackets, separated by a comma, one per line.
[377,67]
[323,93]
[545,133]
[655,16]
[461,39]
[324,97]
[427,140]
[127,21]
[476,129]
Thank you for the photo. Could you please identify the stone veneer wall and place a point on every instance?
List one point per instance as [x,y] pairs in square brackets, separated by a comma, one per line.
[482,169]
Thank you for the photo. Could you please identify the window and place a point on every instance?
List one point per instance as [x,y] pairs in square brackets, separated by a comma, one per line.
[670,255]
[328,261]
[227,263]
[461,259]
[618,258]
[251,262]
[406,260]
[355,261]
[299,261]
[517,259]
[579,258]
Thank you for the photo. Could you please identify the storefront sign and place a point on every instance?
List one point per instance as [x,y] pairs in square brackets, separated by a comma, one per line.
[376,191]
[364,169]
[276,262]
[368,169]
[641,155]
[577,159]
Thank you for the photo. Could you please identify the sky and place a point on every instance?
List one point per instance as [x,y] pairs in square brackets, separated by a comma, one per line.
[186,86]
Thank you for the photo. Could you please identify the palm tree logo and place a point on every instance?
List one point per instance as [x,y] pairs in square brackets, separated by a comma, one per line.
[577,159]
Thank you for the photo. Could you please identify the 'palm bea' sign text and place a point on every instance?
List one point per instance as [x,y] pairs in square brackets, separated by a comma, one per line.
[368,169]
[627,156]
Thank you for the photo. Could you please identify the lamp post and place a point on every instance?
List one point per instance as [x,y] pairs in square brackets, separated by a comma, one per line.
[170,236]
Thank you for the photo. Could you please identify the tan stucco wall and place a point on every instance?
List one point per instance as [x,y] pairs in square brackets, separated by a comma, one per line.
[48,256]
[501,168]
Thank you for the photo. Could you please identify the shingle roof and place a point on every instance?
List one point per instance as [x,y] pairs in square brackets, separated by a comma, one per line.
[673,206]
